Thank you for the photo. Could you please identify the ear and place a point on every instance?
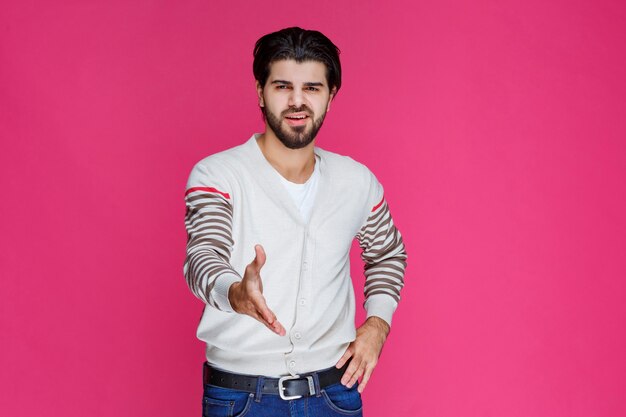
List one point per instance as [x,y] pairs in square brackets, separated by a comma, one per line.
[333,91]
[259,92]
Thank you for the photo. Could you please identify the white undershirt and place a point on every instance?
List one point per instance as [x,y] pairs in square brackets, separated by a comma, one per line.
[303,195]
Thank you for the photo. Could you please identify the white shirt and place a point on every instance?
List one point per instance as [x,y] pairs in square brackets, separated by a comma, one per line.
[303,195]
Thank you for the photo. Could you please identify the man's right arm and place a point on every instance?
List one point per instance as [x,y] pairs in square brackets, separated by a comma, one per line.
[207,269]
[208,221]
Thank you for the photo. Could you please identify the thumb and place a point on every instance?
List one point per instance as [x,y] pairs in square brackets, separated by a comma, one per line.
[259,259]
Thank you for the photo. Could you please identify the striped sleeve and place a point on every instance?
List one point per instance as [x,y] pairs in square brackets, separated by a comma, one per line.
[208,221]
[385,261]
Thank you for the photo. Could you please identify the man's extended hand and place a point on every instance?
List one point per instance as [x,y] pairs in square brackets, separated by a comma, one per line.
[246,297]
[364,351]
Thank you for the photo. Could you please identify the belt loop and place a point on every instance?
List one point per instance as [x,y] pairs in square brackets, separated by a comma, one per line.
[205,373]
[316,382]
[259,388]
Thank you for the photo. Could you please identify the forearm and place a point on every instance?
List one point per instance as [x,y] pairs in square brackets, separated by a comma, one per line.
[209,278]
[384,255]
[208,221]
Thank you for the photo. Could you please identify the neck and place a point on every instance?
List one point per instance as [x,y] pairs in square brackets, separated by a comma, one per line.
[295,165]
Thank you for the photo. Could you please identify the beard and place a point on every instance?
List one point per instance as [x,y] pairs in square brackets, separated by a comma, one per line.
[293,137]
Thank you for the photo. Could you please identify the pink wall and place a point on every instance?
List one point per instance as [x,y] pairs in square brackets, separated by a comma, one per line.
[498,129]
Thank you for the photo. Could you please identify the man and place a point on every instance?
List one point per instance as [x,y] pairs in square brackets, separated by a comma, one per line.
[270,224]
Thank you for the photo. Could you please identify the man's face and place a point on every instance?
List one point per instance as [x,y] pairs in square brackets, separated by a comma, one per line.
[295,100]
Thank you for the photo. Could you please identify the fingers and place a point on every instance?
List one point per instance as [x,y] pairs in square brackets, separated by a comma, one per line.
[256,306]
[263,310]
[366,377]
[362,364]
[275,327]
[347,355]
[259,259]
[353,372]
[278,328]
[254,268]
[266,316]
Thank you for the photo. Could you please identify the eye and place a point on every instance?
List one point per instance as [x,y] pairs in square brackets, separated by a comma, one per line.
[312,88]
[282,87]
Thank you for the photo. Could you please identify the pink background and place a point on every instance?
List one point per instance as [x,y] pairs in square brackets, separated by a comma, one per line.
[498,130]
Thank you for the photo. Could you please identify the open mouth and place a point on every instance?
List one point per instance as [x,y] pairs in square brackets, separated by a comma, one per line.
[296,119]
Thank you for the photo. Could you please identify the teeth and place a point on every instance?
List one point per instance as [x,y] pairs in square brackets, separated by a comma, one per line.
[296,117]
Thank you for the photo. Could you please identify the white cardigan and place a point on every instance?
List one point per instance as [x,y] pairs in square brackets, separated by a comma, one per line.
[234,201]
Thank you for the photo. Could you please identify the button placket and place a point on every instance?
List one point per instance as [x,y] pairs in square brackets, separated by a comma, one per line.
[297,334]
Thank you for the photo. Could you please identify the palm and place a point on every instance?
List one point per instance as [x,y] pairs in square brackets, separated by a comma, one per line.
[248,295]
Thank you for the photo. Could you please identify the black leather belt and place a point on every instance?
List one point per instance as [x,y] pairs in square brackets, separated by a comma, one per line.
[288,387]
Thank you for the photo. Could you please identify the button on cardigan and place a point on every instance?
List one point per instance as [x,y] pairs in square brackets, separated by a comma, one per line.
[234,201]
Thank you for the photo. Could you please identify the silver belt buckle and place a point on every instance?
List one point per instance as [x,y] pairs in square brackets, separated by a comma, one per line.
[281,388]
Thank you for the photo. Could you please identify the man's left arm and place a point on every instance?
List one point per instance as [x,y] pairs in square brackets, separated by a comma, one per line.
[385,261]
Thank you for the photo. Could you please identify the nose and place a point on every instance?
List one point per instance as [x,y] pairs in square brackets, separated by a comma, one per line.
[295,98]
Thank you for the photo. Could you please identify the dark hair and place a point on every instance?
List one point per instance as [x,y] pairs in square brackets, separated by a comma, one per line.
[300,45]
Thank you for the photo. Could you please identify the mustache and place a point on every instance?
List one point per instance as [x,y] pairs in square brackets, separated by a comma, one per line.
[300,109]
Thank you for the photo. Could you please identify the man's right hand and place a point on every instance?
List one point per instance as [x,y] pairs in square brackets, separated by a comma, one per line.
[246,297]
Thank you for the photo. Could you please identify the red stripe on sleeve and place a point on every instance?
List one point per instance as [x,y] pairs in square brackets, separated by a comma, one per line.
[209,189]
[379,204]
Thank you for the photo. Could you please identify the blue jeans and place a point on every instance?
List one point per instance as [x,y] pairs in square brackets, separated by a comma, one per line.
[332,401]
